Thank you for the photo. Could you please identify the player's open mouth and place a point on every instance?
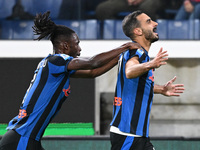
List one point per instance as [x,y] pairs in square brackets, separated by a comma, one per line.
[154,30]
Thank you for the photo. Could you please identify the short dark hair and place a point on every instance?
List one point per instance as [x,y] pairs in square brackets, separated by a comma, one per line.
[46,28]
[130,22]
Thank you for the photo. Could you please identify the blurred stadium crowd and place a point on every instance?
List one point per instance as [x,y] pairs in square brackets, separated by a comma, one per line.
[16,19]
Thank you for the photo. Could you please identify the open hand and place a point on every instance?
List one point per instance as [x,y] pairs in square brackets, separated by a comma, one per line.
[171,89]
[160,59]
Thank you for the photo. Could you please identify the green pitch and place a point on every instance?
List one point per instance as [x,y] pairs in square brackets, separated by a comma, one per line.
[62,129]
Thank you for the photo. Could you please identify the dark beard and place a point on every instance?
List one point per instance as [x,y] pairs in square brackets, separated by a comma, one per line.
[150,36]
[154,40]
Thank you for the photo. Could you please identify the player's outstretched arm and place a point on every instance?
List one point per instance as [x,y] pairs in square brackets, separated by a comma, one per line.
[95,72]
[169,89]
[100,59]
[135,69]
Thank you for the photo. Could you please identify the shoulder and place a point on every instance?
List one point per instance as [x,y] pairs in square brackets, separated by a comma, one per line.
[64,56]
[136,52]
[59,59]
[131,53]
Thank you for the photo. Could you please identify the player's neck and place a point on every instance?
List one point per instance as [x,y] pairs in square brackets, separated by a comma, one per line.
[144,43]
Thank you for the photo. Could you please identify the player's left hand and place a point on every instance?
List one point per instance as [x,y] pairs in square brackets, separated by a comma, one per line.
[171,89]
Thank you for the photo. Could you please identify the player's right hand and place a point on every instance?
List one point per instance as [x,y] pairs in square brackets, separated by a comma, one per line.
[160,59]
[132,45]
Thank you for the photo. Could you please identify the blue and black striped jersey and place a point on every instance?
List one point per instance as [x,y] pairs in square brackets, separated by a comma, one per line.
[133,97]
[48,90]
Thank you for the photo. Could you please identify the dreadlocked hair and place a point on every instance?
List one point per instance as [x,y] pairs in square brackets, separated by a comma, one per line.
[46,28]
[43,26]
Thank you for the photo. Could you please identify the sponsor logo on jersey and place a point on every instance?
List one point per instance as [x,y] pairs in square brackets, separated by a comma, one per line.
[22,113]
[117,101]
[67,91]
[152,76]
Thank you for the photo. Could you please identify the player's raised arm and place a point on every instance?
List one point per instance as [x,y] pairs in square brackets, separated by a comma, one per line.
[135,69]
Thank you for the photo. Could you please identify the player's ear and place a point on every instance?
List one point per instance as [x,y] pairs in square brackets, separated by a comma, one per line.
[65,45]
[137,31]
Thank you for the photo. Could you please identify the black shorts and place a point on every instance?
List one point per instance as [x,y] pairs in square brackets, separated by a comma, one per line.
[121,142]
[13,141]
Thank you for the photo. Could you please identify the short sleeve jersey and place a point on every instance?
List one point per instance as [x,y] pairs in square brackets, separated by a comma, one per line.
[49,88]
[133,97]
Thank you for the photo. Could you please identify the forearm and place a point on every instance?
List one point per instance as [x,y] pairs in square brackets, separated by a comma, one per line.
[137,70]
[100,59]
[104,58]
[101,70]
[158,89]
[96,72]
